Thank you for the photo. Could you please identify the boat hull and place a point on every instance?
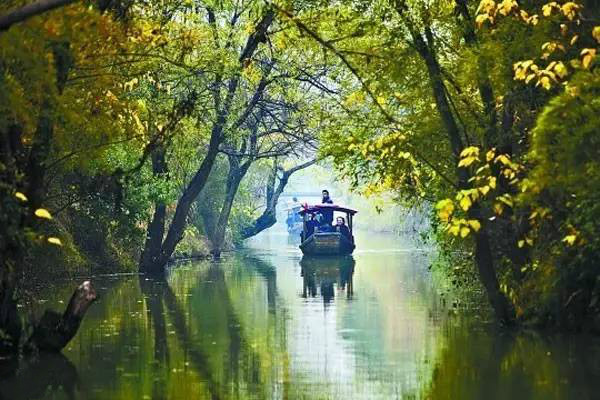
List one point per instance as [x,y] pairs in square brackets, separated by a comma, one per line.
[327,244]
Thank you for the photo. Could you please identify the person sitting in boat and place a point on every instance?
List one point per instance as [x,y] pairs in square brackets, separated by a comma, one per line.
[342,228]
[311,225]
[327,214]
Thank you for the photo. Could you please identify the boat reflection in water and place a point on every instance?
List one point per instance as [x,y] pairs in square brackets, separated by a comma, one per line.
[325,273]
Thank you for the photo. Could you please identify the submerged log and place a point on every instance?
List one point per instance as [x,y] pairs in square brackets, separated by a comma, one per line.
[54,331]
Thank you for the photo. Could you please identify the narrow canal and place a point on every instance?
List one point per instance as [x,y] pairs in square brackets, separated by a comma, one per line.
[265,323]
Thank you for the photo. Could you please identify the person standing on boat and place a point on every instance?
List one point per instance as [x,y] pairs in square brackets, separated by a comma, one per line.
[327,214]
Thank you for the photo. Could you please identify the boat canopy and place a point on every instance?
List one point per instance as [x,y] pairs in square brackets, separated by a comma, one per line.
[317,207]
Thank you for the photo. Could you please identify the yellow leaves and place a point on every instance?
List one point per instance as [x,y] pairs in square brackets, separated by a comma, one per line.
[507,6]
[492,182]
[485,12]
[486,6]
[498,208]
[569,10]
[470,151]
[548,8]
[596,33]
[465,203]
[465,162]
[138,122]
[525,241]
[21,196]
[445,209]
[484,189]
[381,100]
[355,98]
[464,232]
[545,82]
[474,224]
[588,56]
[570,239]
[55,241]
[463,227]
[43,213]
[454,229]
[506,199]
[503,158]
[489,156]
[560,69]
[468,156]
[573,40]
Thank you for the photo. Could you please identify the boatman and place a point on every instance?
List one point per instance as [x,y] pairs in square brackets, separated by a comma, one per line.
[327,214]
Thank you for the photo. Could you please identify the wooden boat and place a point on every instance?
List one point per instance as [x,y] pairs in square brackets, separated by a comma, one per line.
[326,241]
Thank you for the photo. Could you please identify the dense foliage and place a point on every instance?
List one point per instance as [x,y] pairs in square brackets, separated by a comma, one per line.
[128,128]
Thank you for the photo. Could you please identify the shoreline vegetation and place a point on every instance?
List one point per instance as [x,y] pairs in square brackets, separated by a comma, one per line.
[133,133]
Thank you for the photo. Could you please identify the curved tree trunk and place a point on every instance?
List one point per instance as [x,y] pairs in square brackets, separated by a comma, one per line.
[234,178]
[269,216]
[195,186]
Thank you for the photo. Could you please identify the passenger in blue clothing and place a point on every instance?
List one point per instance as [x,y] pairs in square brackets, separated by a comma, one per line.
[327,214]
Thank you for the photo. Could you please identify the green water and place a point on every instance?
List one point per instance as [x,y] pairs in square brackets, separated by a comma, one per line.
[267,324]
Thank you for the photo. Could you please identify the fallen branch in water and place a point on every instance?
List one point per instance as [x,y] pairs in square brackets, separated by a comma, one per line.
[54,331]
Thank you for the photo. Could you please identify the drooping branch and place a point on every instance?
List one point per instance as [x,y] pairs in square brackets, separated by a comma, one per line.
[30,10]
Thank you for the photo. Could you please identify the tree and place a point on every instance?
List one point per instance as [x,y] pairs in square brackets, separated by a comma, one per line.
[224,87]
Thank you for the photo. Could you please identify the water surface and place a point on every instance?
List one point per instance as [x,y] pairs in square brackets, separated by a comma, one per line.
[266,323]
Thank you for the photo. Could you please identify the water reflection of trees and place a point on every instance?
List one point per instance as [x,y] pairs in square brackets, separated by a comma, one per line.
[475,363]
[44,376]
[324,273]
[214,314]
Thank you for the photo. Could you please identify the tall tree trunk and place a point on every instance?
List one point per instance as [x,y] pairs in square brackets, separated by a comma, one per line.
[191,192]
[156,228]
[483,254]
[234,178]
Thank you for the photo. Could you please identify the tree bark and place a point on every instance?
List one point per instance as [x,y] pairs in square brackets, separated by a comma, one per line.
[53,331]
[483,253]
[234,178]
[156,228]
[193,189]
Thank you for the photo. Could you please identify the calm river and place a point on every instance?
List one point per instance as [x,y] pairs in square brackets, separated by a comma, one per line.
[265,323]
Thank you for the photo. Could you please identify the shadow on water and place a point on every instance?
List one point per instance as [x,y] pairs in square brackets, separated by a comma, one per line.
[325,273]
[48,375]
